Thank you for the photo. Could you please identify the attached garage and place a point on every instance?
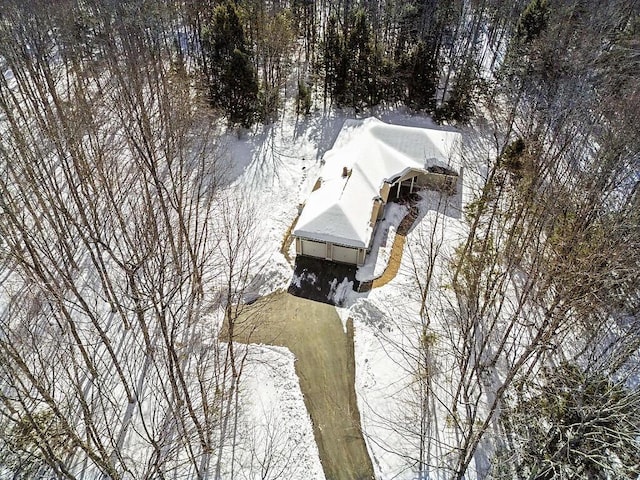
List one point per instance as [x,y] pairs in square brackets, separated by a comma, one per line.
[313,249]
[330,251]
[370,162]
[344,254]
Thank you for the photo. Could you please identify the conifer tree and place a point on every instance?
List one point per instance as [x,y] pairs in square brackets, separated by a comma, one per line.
[334,62]
[533,21]
[460,104]
[572,424]
[361,77]
[423,79]
[241,88]
[232,80]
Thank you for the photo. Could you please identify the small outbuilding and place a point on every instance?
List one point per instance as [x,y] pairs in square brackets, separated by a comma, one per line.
[370,164]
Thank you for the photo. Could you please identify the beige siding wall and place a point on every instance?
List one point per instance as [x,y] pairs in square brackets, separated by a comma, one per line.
[375,212]
[439,182]
[409,174]
[384,192]
[337,253]
[313,249]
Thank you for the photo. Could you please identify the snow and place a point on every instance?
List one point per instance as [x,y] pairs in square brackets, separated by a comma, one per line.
[385,319]
[384,254]
[387,332]
[272,169]
[275,422]
[377,260]
[309,277]
[339,291]
[366,154]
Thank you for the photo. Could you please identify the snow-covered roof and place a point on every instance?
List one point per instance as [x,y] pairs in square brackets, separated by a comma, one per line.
[375,152]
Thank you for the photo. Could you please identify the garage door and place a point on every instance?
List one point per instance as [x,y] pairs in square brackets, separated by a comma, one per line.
[345,254]
[314,249]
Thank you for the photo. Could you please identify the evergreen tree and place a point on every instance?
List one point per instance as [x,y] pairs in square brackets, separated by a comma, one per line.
[531,25]
[423,80]
[533,21]
[573,424]
[242,89]
[304,101]
[334,62]
[232,81]
[351,62]
[459,106]
[361,81]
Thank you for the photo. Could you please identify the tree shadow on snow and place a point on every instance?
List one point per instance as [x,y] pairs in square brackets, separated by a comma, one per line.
[321,129]
[448,205]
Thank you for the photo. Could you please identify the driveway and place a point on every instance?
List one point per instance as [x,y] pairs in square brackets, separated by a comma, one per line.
[326,367]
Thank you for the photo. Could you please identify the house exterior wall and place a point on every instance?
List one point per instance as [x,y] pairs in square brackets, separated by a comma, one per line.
[384,192]
[330,251]
[356,256]
[312,248]
[434,181]
[345,254]
[361,254]
[438,181]
[376,212]
[410,174]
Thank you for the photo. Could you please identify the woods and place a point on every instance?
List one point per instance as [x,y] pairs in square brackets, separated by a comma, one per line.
[109,179]
[122,251]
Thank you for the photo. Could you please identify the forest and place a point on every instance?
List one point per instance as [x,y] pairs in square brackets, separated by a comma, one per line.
[122,252]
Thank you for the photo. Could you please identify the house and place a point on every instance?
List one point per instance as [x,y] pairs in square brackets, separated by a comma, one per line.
[370,164]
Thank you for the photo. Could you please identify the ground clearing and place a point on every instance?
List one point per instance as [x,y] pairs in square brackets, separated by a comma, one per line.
[326,367]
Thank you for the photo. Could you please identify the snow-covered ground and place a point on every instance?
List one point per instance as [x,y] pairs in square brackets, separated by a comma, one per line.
[276,170]
[376,262]
[388,338]
[272,171]
[275,421]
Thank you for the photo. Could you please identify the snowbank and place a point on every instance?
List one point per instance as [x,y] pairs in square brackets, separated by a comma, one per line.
[276,426]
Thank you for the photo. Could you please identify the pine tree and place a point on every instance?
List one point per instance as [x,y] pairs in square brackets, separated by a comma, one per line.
[533,21]
[573,424]
[232,81]
[334,62]
[459,106]
[242,90]
[304,101]
[530,27]
[361,81]
[423,80]
[351,62]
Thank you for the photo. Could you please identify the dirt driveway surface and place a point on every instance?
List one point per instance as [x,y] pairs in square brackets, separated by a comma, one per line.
[326,367]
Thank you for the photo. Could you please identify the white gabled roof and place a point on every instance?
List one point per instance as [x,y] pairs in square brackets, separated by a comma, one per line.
[375,152]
